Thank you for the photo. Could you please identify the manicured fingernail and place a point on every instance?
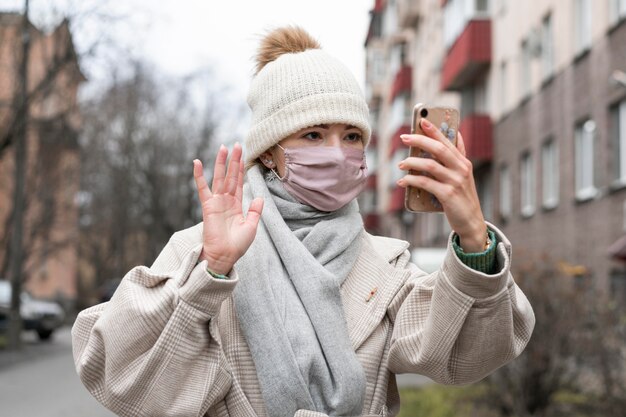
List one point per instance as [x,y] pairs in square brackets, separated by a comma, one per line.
[404,137]
[401,165]
[401,182]
[426,124]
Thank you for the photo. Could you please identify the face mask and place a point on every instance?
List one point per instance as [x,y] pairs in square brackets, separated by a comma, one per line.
[324,177]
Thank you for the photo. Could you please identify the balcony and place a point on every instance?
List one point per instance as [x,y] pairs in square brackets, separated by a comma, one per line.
[396,200]
[402,82]
[371,182]
[477,131]
[396,142]
[469,56]
[408,13]
[371,222]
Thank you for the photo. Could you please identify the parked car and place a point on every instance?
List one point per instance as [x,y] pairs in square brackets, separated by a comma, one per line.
[44,317]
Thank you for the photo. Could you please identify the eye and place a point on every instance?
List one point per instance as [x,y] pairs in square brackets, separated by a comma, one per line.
[312,135]
[354,137]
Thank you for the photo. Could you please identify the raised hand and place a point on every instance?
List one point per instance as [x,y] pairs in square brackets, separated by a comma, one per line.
[452,183]
[227,234]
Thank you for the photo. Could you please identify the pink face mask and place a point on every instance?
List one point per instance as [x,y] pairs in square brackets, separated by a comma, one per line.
[324,177]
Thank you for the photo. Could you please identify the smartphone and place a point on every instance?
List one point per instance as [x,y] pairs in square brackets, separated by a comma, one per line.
[447,120]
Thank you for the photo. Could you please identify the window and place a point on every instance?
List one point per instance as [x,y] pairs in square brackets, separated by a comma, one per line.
[550,174]
[618,134]
[505,192]
[485,196]
[457,13]
[525,69]
[397,58]
[396,173]
[473,100]
[503,92]
[390,19]
[400,112]
[617,10]
[582,25]
[527,185]
[584,137]
[547,49]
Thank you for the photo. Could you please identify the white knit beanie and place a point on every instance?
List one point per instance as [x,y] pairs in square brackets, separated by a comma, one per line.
[299,90]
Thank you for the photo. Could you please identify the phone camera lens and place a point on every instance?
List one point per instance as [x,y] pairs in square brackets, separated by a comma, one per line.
[423,112]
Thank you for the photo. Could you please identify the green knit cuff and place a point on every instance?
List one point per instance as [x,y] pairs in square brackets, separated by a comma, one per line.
[480,261]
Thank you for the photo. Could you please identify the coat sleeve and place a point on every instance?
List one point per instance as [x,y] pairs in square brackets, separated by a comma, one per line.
[153,349]
[457,325]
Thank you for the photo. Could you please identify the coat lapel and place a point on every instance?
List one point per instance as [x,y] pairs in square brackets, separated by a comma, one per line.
[371,285]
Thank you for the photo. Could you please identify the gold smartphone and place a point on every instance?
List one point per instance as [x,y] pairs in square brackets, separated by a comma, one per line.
[445,119]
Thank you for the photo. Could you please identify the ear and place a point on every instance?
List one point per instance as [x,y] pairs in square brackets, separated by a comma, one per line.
[267,159]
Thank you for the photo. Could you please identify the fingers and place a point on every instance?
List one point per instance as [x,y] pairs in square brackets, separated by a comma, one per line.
[219,169]
[239,191]
[440,172]
[204,193]
[433,132]
[447,154]
[254,212]
[226,180]
[231,181]
[440,190]
[461,144]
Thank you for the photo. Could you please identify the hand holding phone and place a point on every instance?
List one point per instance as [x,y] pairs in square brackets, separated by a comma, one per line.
[445,119]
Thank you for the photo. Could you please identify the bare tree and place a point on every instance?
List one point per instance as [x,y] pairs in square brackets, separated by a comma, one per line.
[139,139]
[39,122]
[575,350]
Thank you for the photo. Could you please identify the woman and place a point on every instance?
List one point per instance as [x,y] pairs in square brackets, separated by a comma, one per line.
[295,310]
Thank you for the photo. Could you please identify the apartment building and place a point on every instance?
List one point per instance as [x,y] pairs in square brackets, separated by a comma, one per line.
[52,180]
[543,116]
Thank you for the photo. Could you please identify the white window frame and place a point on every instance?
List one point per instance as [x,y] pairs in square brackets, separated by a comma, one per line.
[617,11]
[527,184]
[485,191]
[618,116]
[582,25]
[525,73]
[550,174]
[503,86]
[584,163]
[547,47]
[506,208]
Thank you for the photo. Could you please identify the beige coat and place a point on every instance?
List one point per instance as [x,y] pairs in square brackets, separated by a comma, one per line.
[169,344]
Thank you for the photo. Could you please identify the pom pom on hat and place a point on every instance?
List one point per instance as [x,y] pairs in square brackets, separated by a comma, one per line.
[298,85]
[284,40]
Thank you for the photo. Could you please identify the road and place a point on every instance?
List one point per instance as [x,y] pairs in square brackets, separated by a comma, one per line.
[40,380]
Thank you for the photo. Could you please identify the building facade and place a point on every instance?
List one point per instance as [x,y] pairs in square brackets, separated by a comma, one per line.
[52,179]
[543,116]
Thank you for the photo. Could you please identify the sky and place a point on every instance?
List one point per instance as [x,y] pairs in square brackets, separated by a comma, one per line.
[219,38]
[183,36]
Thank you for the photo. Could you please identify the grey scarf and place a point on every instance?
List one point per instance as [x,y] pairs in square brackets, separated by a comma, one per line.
[289,305]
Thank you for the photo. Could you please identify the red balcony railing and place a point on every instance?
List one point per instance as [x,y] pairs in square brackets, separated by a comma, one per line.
[371,222]
[477,131]
[402,82]
[396,142]
[468,57]
[396,200]
[371,182]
